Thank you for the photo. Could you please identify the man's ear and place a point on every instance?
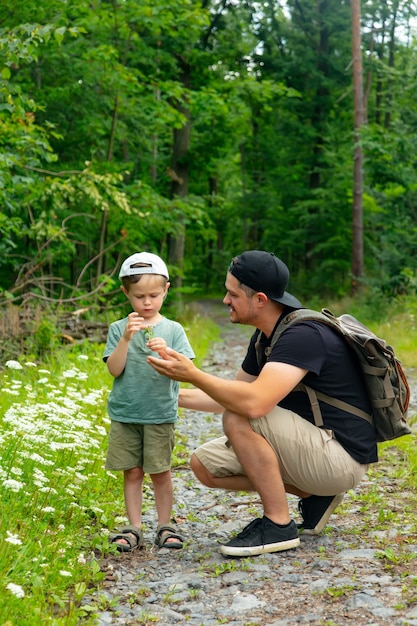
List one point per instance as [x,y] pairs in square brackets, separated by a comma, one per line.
[262,298]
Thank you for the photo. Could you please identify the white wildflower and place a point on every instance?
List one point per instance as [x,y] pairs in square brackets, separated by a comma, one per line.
[40,477]
[39,459]
[48,509]
[70,373]
[63,572]
[81,559]
[16,590]
[82,357]
[13,365]
[14,539]
[13,485]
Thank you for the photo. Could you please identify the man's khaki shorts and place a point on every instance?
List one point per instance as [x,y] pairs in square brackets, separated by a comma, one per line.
[148,446]
[309,457]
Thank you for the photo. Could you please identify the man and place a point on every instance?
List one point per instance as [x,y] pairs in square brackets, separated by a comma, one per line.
[271,444]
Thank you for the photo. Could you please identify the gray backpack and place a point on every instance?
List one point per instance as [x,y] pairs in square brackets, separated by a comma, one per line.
[385,381]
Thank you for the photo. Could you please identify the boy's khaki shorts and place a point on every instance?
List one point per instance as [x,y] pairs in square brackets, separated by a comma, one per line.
[148,446]
[309,457]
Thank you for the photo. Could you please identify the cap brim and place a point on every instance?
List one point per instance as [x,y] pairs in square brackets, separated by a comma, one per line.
[288,300]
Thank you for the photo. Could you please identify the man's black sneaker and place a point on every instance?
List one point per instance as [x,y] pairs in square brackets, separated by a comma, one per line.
[315,511]
[261,536]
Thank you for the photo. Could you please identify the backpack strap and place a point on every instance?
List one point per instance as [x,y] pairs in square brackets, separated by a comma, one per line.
[258,348]
[314,403]
[314,396]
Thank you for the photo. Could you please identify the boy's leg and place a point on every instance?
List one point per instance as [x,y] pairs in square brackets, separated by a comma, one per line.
[125,451]
[163,492]
[132,486]
[133,481]
[158,447]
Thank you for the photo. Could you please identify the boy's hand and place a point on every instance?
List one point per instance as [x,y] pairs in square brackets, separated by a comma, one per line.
[134,325]
[157,344]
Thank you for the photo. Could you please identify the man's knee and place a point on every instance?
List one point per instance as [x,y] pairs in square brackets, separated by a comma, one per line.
[201,472]
[234,424]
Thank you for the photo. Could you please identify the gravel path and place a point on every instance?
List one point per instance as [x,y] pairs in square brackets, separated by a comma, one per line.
[352,574]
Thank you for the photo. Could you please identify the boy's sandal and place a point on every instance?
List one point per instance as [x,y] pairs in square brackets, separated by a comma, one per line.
[165,532]
[132,534]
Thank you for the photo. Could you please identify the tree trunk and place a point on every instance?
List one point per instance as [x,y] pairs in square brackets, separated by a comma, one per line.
[179,173]
[391,53]
[357,217]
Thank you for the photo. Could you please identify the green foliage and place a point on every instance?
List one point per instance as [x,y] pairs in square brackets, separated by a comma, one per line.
[90,101]
[45,338]
[45,551]
[392,319]
[53,534]
[58,505]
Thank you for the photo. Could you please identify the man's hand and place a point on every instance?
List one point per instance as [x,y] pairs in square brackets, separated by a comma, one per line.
[173,365]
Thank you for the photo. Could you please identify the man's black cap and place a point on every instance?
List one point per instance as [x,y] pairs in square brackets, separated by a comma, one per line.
[264,272]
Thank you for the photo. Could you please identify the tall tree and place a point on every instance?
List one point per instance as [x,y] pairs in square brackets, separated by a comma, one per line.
[357,221]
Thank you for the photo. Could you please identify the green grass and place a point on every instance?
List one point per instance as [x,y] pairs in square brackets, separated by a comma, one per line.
[56,497]
[394,321]
[57,501]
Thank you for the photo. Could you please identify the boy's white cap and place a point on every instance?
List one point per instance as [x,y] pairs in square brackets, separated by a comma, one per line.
[152,264]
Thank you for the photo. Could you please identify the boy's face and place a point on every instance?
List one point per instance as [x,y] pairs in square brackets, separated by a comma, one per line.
[147,295]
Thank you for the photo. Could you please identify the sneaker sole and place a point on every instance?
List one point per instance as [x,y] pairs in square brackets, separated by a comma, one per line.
[324,518]
[255,550]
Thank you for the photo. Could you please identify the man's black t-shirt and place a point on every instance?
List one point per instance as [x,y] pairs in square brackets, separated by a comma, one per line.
[333,370]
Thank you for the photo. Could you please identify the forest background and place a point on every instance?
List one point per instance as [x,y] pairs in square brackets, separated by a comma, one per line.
[195,130]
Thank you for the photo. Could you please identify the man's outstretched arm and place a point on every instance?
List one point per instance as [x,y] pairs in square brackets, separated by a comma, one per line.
[249,399]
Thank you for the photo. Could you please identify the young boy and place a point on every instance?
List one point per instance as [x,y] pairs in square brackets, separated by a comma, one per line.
[143,404]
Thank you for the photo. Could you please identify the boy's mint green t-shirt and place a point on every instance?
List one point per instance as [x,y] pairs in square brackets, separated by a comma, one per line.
[140,395]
